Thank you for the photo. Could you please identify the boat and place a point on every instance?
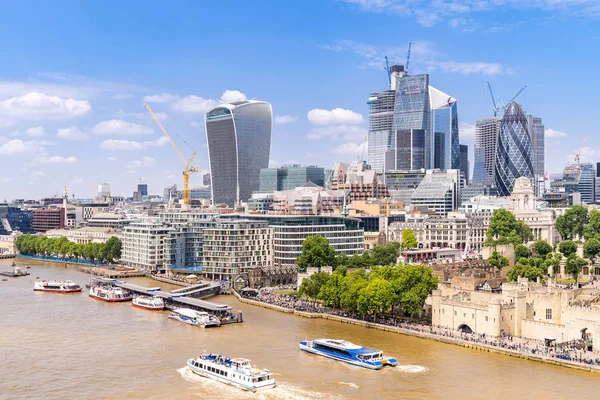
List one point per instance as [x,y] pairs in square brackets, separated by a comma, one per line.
[110,293]
[56,286]
[149,302]
[342,350]
[15,273]
[236,372]
[195,318]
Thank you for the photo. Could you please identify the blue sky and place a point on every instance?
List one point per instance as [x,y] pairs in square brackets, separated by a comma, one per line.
[75,75]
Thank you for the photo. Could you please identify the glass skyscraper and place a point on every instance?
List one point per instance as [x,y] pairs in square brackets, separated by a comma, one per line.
[445,151]
[486,137]
[238,135]
[290,177]
[380,137]
[410,149]
[514,153]
[464,162]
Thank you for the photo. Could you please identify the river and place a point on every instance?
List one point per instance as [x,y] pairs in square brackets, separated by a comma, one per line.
[56,346]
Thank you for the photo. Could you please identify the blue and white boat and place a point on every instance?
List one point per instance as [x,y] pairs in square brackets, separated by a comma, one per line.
[342,350]
[195,318]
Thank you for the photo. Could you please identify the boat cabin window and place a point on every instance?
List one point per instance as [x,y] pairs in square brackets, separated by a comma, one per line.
[331,349]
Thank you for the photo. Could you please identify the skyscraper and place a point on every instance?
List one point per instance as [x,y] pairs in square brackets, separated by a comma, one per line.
[410,149]
[103,190]
[486,135]
[289,177]
[445,151]
[238,135]
[535,127]
[514,153]
[464,162]
[206,179]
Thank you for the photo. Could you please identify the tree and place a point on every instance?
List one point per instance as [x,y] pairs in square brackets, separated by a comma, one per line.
[592,229]
[311,286]
[530,272]
[331,291]
[316,252]
[553,260]
[409,240]
[498,260]
[505,229]
[522,251]
[376,297]
[413,285]
[591,248]
[567,247]
[386,255]
[524,231]
[574,265]
[353,282]
[112,249]
[571,224]
[542,248]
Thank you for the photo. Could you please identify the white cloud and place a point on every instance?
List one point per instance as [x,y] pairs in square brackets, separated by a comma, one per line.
[112,159]
[120,127]
[131,171]
[17,146]
[351,149]
[58,160]
[274,163]
[144,162]
[6,123]
[466,131]
[346,132]
[229,96]
[36,106]
[285,119]
[116,144]
[551,133]
[123,96]
[194,104]
[334,117]
[160,98]
[71,133]
[468,68]
[37,131]
[38,174]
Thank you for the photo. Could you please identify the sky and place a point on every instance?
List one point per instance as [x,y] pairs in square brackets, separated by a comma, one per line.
[75,75]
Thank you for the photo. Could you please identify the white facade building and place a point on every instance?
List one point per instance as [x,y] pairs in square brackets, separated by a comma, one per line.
[144,244]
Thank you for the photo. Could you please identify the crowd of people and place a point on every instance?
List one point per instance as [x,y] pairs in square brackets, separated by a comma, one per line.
[568,352]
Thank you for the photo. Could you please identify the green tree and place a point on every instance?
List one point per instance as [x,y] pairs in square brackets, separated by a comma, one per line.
[530,272]
[542,248]
[316,252]
[591,248]
[567,247]
[386,255]
[409,240]
[331,291]
[353,282]
[571,224]
[574,265]
[553,260]
[112,249]
[498,260]
[592,229]
[376,297]
[522,251]
[311,286]
[505,229]
[413,285]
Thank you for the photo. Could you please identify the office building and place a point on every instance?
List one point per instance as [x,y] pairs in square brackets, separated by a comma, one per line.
[410,149]
[577,178]
[587,183]
[143,244]
[514,153]
[85,211]
[289,177]
[51,201]
[45,219]
[170,193]
[439,191]
[380,137]
[235,246]
[238,135]
[104,190]
[535,127]
[464,162]
[308,199]
[486,135]
[597,184]
[359,181]
[108,220]
[206,179]
[142,188]
[13,219]
[445,149]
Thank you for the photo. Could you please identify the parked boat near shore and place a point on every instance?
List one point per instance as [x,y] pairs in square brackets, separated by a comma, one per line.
[15,273]
[236,372]
[110,293]
[149,303]
[342,350]
[195,318]
[56,286]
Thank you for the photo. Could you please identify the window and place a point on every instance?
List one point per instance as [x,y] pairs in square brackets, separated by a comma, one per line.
[472,316]
[486,319]
[548,313]
[455,314]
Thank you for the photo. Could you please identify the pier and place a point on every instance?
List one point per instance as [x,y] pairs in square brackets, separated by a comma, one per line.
[7,256]
[110,272]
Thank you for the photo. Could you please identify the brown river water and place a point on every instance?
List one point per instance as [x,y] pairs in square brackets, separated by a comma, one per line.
[58,346]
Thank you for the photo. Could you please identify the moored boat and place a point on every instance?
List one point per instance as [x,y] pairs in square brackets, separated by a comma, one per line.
[56,286]
[342,350]
[236,372]
[195,318]
[110,293]
[149,303]
[15,273]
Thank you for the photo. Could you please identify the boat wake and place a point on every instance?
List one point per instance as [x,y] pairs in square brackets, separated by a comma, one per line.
[209,388]
[412,369]
[350,384]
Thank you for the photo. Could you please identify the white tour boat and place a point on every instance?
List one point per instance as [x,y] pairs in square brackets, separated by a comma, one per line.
[56,286]
[342,350]
[149,302]
[110,293]
[193,317]
[236,372]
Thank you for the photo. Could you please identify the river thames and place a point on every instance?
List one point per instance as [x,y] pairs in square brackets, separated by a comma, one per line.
[56,346]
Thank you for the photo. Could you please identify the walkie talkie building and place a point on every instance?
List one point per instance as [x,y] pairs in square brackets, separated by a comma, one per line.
[513,153]
[238,136]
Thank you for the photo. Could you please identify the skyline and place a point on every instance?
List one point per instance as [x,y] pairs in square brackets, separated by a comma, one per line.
[72,94]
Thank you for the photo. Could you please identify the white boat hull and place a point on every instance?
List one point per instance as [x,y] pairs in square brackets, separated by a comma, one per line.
[221,379]
[311,350]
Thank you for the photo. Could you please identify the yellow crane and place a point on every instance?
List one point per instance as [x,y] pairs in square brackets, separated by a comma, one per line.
[189,169]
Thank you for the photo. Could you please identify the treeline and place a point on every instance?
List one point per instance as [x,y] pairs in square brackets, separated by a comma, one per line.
[382,290]
[62,247]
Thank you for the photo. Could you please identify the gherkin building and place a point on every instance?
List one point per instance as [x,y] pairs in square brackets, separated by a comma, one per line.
[513,151]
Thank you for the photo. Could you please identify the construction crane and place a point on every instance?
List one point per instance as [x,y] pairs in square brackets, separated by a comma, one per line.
[499,105]
[188,168]
[578,154]
[407,60]
[387,69]
[493,99]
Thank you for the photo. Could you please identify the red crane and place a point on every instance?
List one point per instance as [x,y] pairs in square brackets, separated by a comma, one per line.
[577,156]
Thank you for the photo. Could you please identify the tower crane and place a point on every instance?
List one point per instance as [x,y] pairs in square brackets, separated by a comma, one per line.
[578,154]
[387,69]
[188,168]
[407,59]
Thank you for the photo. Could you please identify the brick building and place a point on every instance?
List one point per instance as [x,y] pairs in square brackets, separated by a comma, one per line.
[45,219]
